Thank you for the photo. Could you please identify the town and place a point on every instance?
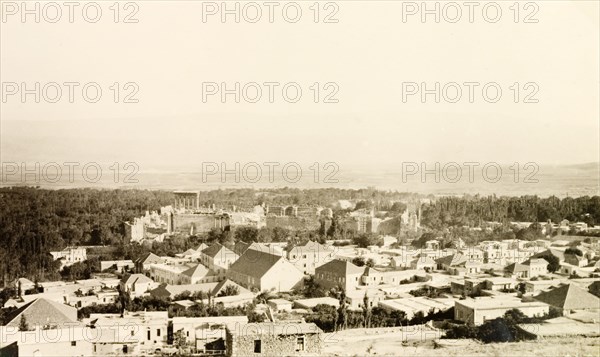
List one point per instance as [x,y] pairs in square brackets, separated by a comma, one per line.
[282,274]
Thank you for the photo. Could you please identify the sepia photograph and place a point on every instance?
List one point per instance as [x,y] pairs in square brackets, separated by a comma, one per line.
[299,178]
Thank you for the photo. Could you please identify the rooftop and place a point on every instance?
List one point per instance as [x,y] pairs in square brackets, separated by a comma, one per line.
[312,302]
[497,302]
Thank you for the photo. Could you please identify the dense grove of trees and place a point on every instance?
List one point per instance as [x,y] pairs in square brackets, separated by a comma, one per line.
[287,196]
[34,222]
[474,210]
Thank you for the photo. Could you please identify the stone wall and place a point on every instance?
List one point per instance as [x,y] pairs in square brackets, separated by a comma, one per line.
[273,345]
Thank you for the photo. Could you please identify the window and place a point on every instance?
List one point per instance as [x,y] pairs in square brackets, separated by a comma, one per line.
[300,344]
[257,346]
[73,343]
[148,335]
[158,332]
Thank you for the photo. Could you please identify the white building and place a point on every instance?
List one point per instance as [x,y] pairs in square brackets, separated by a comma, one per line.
[70,256]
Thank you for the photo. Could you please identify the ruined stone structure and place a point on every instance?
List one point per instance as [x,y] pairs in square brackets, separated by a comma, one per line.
[187,200]
[198,223]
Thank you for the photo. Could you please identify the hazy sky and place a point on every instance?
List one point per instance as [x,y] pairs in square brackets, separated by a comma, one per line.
[369,53]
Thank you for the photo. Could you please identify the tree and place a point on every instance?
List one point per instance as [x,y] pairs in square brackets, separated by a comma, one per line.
[324,316]
[332,232]
[359,261]
[230,290]
[366,311]
[420,243]
[262,297]
[461,331]
[23,325]
[322,230]
[398,207]
[179,340]
[399,317]
[553,262]
[7,293]
[496,330]
[312,289]
[418,318]
[342,311]
[364,240]
[575,251]
[124,301]
[246,234]
[184,295]
[370,263]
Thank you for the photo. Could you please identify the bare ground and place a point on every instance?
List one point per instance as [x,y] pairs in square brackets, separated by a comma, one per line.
[423,341]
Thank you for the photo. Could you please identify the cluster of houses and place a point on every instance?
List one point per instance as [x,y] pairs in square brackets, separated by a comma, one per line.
[54,330]
[474,278]
[479,283]
[101,289]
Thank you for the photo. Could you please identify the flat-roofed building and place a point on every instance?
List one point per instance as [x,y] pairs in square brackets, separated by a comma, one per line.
[411,306]
[312,302]
[70,256]
[169,274]
[479,310]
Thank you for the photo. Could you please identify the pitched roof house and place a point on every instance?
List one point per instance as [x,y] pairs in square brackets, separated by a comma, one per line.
[528,269]
[576,260]
[197,274]
[263,271]
[569,297]
[201,247]
[43,313]
[423,262]
[452,263]
[557,253]
[218,258]
[136,284]
[338,273]
[142,264]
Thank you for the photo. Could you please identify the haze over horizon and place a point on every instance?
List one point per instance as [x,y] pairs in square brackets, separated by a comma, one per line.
[170,52]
